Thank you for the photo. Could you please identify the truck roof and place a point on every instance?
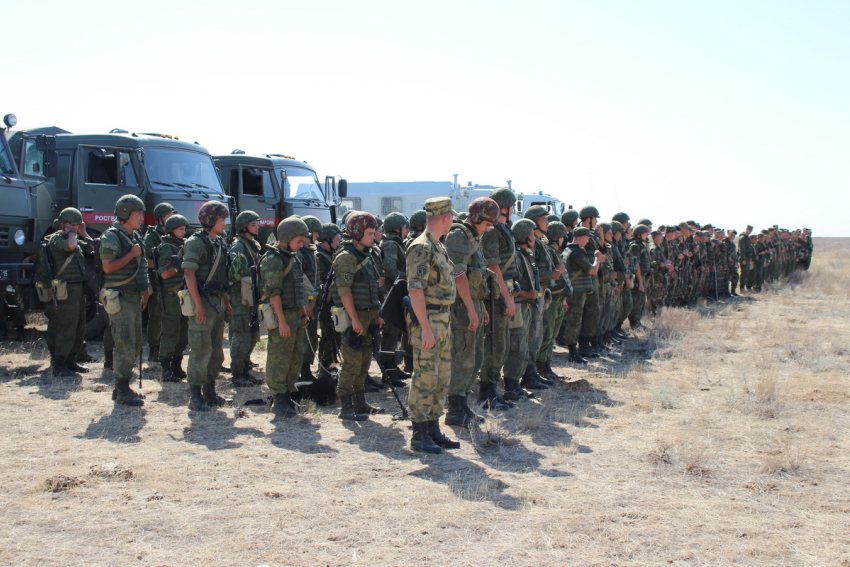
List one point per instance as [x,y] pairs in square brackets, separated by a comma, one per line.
[65,139]
[401,188]
[266,160]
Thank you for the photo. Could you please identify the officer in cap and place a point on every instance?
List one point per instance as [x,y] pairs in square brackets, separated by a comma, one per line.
[153,238]
[244,255]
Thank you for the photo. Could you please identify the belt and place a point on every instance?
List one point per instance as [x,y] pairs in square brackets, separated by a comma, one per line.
[435,307]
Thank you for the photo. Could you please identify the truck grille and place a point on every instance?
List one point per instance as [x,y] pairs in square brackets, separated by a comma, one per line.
[4,236]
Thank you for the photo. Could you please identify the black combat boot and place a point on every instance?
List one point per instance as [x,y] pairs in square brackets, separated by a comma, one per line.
[167,375]
[371,385]
[489,399]
[211,398]
[347,410]
[596,343]
[455,414]
[530,381]
[546,372]
[438,437]
[541,376]
[551,371]
[561,339]
[469,413]
[241,380]
[514,393]
[153,353]
[60,367]
[307,373]
[124,395]
[408,364]
[196,399]
[621,332]
[612,338]
[249,364]
[575,357]
[21,336]
[362,406]
[585,349]
[71,362]
[177,366]
[422,441]
[107,360]
[284,406]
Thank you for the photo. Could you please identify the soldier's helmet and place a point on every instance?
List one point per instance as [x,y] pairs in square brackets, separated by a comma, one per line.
[504,197]
[290,227]
[462,216]
[127,205]
[534,213]
[582,231]
[617,226]
[556,230]
[379,221]
[640,229]
[175,221]
[483,209]
[163,209]
[245,218]
[606,227]
[70,215]
[569,217]
[211,211]
[621,217]
[418,219]
[645,221]
[553,218]
[587,212]
[358,223]
[347,214]
[313,224]
[329,230]
[395,221]
[521,229]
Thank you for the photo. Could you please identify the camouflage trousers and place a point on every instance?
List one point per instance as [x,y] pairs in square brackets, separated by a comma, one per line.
[311,341]
[391,337]
[206,340]
[592,312]
[355,362]
[552,319]
[432,369]
[517,357]
[625,306]
[606,308]
[175,328]
[491,368]
[126,331]
[573,318]
[327,353]
[50,335]
[69,322]
[467,348]
[242,340]
[284,356]
[535,331]
[154,309]
[639,302]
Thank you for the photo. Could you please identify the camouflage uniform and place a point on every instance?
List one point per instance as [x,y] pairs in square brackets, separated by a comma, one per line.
[307,258]
[395,266]
[516,361]
[175,326]
[579,267]
[499,250]
[327,353]
[244,254]
[153,238]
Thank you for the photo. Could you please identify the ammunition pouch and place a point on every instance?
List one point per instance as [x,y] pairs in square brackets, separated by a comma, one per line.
[247,289]
[187,304]
[109,299]
[266,317]
[341,319]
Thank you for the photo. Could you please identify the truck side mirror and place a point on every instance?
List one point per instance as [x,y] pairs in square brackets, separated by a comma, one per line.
[342,188]
[44,143]
[51,163]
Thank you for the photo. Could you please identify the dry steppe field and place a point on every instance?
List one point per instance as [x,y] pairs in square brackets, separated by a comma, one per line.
[718,436]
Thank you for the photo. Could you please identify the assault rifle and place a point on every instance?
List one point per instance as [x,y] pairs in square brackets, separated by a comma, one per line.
[325,307]
[48,264]
[491,285]
[155,276]
[397,355]
[202,291]
[255,301]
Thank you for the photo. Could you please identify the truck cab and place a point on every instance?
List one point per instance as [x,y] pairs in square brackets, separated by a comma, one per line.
[276,187]
[15,215]
[525,200]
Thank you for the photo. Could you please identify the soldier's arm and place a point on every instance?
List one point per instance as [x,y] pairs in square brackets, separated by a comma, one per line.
[111,264]
[490,247]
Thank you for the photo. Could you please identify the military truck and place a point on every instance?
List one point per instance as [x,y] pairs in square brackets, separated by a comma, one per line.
[91,171]
[276,186]
[15,215]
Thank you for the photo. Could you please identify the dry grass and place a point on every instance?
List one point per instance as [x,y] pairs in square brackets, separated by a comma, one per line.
[716,437]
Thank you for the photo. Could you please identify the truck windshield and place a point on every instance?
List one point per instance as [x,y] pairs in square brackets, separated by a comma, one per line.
[301,184]
[181,170]
[5,159]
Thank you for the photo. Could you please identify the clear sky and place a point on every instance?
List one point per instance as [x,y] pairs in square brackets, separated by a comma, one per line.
[730,112]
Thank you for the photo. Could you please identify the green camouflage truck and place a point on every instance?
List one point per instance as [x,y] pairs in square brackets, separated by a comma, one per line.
[16,220]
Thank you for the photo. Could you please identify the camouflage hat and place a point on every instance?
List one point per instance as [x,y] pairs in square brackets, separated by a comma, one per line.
[357,224]
[645,221]
[617,226]
[70,215]
[126,205]
[535,212]
[483,209]
[175,221]
[418,218]
[556,230]
[211,211]
[436,206]
[588,211]
[569,217]
[395,221]
[290,228]
[522,228]
[163,209]
[640,229]
[244,219]
[329,230]
[582,231]
[313,224]
[621,217]
[504,197]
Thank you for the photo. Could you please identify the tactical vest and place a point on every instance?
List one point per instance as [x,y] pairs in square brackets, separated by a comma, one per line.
[392,240]
[525,274]
[364,288]
[307,257]
[292,294]
[76,270]
[324,263]
[218,283]
[580,279]
[137,265]
[543,262]
[507,252]
[643,257]
[153,238]
[476,269]
[170,247]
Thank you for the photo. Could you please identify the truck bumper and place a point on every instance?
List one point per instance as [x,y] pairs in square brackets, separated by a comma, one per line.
[15,274]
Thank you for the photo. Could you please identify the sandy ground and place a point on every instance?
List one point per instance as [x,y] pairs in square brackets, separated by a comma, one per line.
[717,436]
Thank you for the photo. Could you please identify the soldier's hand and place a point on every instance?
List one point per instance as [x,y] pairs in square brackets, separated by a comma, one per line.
[486,318]
[566,307]
[229,310]
[640,286]
[151,265]
[283,329]
[473,319]
[357,326]
[379,322]
[200,314]
[145,299]
[428,340]
[83,232]
[135,251]
[510,307]
[308,311]
[381,282]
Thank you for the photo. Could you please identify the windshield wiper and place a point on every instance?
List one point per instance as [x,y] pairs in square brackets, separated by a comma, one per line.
[162,183]
[201,186]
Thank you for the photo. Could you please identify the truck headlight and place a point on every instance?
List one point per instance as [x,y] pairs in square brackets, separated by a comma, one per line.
[20,237]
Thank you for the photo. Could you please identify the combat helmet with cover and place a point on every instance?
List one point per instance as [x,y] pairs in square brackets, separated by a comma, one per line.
[127,205]
[163,209]
[418,218]
[290,227]
[71,215]
[313,223]
[483,209]
[211,211]
[640,229]
[521,229]
[588,211]
[569,217]
[329,230]
[621,217]
[534,213]
[395,221]
[358,223]
[556,229]
[175,221]
[244,219]
[504,197]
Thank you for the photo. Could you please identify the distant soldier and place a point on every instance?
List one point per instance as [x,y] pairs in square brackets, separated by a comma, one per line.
[205,267]
[638,249]
[122,254]
[468,316]
[283,285]
[417,226]
[560,290]
[307,257]
[175,325]
[68,248]
[589,343]
[746,257]
[329,238]
[542,274]
[396,227]
[244,255]
[580,271]
[153,238]
[432,293]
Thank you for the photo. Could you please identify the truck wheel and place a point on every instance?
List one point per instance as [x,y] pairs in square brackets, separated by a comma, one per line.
[95,316]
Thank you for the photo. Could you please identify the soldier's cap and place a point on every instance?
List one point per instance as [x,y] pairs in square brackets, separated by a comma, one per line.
[684,224]
[436,206]
[750,226]
[708,226]
[582,231]
[655,233]
[692,222]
